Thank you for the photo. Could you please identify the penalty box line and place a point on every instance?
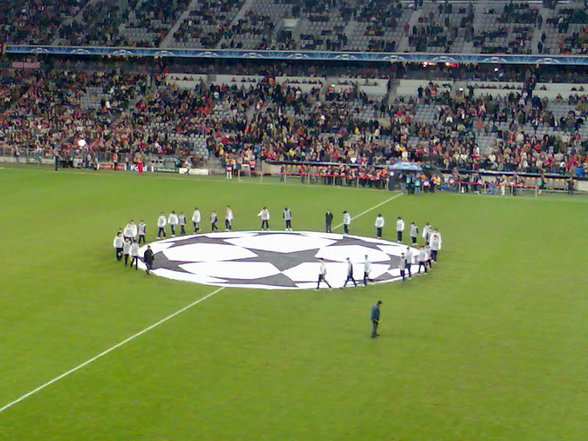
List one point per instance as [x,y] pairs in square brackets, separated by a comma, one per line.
[367,211]
[109,350]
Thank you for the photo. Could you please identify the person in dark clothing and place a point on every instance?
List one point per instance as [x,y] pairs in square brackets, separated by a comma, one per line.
[571,186]
[375,318]
[148,258]
[328,221]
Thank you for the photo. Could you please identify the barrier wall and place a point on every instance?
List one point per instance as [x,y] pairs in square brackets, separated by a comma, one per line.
[238,80]
[305,84]
[383,57]
[409,87]
[563,89]
[185,81]
[370,86]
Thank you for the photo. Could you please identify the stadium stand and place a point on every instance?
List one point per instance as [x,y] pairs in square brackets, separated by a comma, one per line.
[495,125]
[335,25]
[519,119]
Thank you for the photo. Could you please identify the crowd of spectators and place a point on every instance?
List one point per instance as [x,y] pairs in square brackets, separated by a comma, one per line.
[34,21]
[333,25]
[140,114]
[114,23]
[208,24]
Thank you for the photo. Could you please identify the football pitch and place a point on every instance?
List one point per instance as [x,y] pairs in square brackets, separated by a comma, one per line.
[491,346]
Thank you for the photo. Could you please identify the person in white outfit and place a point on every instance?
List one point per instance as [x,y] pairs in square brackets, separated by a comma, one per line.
[399,228]
[264,214]
[367,269]
[196,218]
[130,230]
[229,218]
[346,222]
[322,275]
[287,215]
[380,222]
[213,221]
[182,223]
[408,256]
[436,244]
[426,232]
[118,243]
[422,257]
[414,232]
[127,250]
[350,277]
[135,255]
[173,221]
[142,232]
[402,266]
[134,229]
[161,223]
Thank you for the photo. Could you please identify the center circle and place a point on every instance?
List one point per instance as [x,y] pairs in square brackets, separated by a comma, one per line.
[273,259]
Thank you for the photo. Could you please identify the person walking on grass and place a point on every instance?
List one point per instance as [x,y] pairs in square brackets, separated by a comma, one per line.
[129,231]
[229,218]
[322,275]
[350,277]
[399,229]
[213,221]
[135,254]
[127,250]
[328,221]
[379,225]
[435,244]
[182,223]
[414,232]
[422,257]
[196,218]
[346,222]
[142,229]
[408,257]
[148,258]
[402,266]
[287,215]
[118,244]
[161,223]
[427,232]
[173,220]
[375,318]
[264,214]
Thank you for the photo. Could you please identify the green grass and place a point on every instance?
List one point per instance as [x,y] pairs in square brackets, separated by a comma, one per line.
[491,346]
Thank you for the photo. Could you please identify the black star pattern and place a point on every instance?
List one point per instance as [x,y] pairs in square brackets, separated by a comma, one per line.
[283,261]
[280,260]
[277,280]
[162,262]
[349,240]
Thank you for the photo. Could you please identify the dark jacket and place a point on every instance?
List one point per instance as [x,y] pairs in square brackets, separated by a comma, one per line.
[375,312]
[148,256]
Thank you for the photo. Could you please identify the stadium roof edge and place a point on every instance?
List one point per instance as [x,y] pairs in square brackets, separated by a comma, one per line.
[380,57]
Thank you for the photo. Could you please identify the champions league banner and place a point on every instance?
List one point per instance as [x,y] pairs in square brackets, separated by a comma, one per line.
[383,57]
[274,259]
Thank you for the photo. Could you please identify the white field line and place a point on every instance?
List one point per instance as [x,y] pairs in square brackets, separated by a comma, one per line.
[109,350]
[365,212]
